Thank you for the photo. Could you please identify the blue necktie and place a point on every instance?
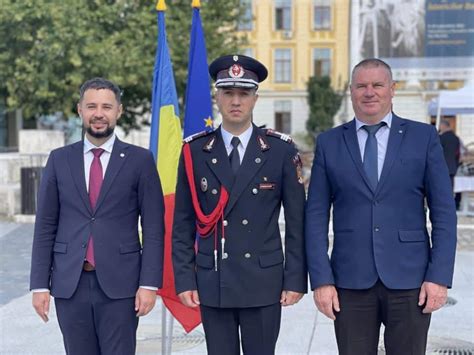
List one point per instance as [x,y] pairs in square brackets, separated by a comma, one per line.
[370,154]
[234,155]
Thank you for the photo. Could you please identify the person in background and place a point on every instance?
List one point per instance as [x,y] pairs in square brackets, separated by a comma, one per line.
[452,153]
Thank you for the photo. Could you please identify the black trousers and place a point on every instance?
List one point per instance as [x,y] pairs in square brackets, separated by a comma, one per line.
[362,312]
[93,324]
[259,328]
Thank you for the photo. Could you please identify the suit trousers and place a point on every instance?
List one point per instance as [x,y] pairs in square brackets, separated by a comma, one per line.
[259,328]
[93,324]
[362,312]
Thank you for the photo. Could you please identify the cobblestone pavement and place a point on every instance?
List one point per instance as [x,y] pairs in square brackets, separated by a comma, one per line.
[303,332]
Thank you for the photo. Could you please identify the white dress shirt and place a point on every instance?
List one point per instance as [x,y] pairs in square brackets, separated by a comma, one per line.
[89,156]
[244,138]
[382,140]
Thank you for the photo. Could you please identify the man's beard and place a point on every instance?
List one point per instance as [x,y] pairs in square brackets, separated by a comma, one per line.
[104,134]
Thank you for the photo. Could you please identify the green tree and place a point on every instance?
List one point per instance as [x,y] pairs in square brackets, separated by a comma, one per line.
[49,48]
[323,103]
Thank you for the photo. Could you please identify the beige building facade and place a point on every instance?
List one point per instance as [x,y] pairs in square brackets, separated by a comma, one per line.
[296,39]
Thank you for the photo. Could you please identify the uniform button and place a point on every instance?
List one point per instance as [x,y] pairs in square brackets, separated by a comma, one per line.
[84,245]
[214,191]
[254,191]
[225,223]
[225,256]
[377,229]
[93,219]
[247,255]
[245,222]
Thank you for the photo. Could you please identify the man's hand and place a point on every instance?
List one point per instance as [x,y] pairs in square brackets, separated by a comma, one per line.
[433,296]
[289,298]
[41,304]
[189,298]
[325,298]
[144,301]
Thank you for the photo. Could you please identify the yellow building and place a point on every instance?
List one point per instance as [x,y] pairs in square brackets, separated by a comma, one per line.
[296,39]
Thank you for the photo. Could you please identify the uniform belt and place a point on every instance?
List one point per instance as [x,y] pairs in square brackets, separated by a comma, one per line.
[88,266]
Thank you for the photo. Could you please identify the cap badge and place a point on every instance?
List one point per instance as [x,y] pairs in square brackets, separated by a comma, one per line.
[236,71]
[235,58]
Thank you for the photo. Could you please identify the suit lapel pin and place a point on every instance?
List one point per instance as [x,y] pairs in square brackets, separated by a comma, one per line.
[203,184]
[122,155]
[214,161]
[258,160]
[400,131]
[265,178]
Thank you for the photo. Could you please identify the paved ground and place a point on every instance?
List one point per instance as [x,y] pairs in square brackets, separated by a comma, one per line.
[303,331]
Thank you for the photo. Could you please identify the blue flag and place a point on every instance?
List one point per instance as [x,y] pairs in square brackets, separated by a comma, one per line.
[198,111]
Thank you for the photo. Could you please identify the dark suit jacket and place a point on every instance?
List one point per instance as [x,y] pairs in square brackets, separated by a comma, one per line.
[382,233]
[65,220]
[257,268]
[451,148]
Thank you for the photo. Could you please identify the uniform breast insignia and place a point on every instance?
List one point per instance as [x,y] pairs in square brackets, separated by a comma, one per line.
[209,144]
[284,137]
[267,186]
[203,184]
[299,168]
[194,136]
[262,143]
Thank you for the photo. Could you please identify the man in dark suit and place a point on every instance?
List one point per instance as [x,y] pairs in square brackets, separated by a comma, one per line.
[375,172]
[86,250]
[452,151]
[231,185]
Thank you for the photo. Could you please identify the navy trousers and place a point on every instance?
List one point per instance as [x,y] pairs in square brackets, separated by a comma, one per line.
[362,312]
[93,324]
[258,326]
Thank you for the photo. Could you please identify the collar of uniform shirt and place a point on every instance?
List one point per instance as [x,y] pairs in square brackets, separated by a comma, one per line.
[107,146]
[387,119]
[244,138]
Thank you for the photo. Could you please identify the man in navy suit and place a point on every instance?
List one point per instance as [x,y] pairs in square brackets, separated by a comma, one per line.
[376,172]
[87,252]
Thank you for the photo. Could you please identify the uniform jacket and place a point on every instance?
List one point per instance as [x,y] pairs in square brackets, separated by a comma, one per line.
[257,268]
[381,233]
[65,220]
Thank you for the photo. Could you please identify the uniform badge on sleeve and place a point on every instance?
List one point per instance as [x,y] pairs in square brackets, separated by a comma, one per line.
[299,168]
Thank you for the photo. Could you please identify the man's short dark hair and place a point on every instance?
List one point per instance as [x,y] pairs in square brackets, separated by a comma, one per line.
[373,63]
[446,123]
[98,84]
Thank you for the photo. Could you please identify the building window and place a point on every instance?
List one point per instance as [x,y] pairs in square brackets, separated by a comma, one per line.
[322,62]
[246,24]
[283,65]
[283,116]
[322,14]
[283,15]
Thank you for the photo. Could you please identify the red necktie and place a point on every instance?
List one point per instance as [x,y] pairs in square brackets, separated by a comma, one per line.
[95,183]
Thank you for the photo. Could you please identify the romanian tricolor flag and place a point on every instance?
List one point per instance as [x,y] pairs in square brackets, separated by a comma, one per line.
[165,143]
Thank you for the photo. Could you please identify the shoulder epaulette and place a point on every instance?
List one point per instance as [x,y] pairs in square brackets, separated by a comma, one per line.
[276,134]
[195,136]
